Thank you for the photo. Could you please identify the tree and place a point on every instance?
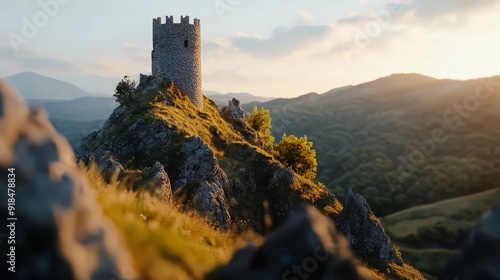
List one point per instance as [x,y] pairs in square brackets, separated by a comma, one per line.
[260,121]
[297,153]
[124,91]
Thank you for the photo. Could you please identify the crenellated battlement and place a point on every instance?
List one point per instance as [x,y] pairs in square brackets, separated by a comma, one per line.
[169,20]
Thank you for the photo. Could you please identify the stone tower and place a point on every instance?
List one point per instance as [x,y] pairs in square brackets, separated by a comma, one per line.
[176,55]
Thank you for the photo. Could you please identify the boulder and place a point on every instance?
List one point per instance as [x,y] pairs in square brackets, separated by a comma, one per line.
[305,246]
[233,110]
[365,233]
[158,181]
[479,256]
[61,232]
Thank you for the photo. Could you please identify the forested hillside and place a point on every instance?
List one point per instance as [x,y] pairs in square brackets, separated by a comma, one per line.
[402,140]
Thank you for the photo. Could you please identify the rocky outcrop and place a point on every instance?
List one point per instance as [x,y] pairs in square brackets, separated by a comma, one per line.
[124,138]
[365,233]
[60,232]
[200,168]
[233,110]
[185,141]
[306,246]
[281,182]
[479,256]
[158,181]
[210,201]
[144,141]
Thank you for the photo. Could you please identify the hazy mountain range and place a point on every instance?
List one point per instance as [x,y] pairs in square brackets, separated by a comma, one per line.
[222,99]
[35,86]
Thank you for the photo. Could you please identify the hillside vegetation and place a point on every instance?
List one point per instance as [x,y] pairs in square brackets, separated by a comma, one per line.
[213,164]
[169,244]
[165,113]
[380,138]
[427,234]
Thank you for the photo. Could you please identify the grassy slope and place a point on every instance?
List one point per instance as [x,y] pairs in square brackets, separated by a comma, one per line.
[232,150]
[165,243]
[427,234]
[168,244]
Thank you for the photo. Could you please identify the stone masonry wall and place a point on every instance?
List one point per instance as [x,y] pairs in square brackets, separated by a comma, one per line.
[176,55]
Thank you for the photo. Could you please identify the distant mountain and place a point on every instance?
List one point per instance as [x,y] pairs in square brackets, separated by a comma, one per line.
[94,83]
[377,138]
[336,90]
[33,86]
[222,98]
[80,109]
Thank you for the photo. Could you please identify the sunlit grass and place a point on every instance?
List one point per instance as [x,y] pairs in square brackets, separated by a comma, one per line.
[165,243]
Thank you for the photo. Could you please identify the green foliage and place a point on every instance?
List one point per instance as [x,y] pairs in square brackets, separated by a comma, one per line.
[260,121]
[427,234]
[297,153]
[361,133]
[124,91]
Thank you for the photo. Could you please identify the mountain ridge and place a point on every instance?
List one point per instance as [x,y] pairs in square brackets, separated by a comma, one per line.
[35,86]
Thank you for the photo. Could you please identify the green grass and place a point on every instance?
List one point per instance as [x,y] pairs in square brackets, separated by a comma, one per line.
[165,243]
[169,244]
[427,234]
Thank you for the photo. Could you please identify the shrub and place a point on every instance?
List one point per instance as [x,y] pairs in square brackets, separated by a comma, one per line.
[297,153]
[260,121]
[124,91]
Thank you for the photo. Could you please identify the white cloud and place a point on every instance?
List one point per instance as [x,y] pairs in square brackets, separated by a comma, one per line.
[283,42]
[306,17]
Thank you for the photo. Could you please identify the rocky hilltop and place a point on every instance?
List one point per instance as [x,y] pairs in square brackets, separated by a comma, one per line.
[212,162]
[62,232]
[204,160]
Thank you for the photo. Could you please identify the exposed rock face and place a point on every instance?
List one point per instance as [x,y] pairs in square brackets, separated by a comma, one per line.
[282,179]
[200,163]
[306,246]
[159,181]
[479,256]
[60,231]
[201,169]
[210,201]
[233,110]
[365,233]
[146,138]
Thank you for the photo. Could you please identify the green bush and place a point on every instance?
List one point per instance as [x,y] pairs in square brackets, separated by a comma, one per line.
[124,91]
[260,121]
[297,153]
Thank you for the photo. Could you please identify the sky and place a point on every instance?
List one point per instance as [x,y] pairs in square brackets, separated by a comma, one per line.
[274,48]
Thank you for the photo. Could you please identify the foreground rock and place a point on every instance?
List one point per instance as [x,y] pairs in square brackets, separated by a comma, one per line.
[365,233]
[60,232]
[306,246]
[479,256]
